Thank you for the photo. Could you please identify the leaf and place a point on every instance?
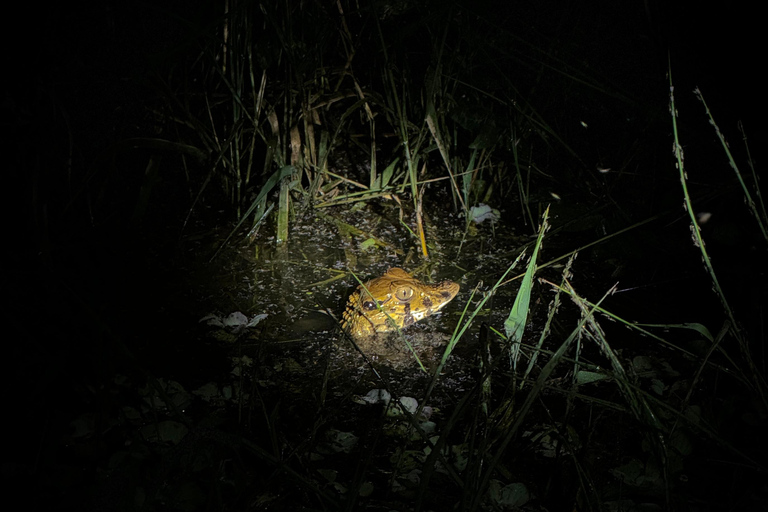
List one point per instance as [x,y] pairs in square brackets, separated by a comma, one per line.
[585,377]
[514,326]
[482,212]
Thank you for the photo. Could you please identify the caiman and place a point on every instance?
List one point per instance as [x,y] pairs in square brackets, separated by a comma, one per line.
[394,300]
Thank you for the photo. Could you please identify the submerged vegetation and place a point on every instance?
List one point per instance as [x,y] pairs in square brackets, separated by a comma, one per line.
[288,151]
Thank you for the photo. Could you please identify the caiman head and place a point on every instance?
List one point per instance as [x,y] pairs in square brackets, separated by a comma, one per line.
[394,300]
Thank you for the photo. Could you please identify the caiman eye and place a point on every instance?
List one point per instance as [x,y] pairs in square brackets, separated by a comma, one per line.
[404,293]
[369,305]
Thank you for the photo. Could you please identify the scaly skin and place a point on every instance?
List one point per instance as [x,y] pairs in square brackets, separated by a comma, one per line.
[400,297]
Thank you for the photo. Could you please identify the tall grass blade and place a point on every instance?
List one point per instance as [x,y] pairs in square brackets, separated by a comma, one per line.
[758,193]
[434,130]
[283,205]
[698,241]
[553,308]
[514,326]
[755,376]
[277,177]
[464,323]
[522,412]
[420,225]
[761,219]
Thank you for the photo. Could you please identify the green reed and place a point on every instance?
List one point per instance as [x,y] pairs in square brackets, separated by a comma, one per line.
[732,325]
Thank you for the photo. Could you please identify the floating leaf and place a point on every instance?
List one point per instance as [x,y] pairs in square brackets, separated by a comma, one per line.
[482,212]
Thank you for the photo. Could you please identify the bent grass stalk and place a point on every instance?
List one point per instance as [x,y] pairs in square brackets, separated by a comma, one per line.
[760,216]
[522,412]
[755,378]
